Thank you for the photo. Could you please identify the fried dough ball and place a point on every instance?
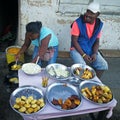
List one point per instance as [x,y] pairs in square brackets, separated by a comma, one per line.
[18,100]
[34,105]
[30,110]
[16,106]
[42,104]
[35,109]
[23,98]
[41,100]
[21,103]
[28,101]
[30,98]
[22,109]
[28,105]
[38,107]
[33,101]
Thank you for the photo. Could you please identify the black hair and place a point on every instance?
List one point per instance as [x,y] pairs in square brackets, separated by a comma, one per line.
[34,27]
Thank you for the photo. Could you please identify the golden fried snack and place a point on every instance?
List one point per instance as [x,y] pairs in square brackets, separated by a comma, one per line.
[60,101]
[23,98]
[99,94]
[15,67]
[77,70]
[22,109]
[41,100]
[87,74]
[34,105]
[30,98]
[28,105]
[77,101]
[14,80]
[42,104]
[69,103]
[21,103]
[64,106]
[33,101]
[16,106]
[36,109]
[88,91]
[18,100]
[30,110]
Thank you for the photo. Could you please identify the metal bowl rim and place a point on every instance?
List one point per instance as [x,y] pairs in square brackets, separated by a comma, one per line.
[62,83]
[97,83]
[82,65]
[53,77]
[27,86]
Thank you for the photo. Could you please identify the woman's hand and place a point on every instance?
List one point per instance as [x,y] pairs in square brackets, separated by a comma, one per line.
[17,57]
[34,60]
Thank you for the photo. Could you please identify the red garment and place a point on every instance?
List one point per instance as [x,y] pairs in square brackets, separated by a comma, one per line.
[90,27]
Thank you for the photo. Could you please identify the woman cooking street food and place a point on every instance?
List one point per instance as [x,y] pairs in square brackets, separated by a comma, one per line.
[45,42]
[85,35]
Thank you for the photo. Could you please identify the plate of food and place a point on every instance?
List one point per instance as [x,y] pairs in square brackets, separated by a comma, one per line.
[83,72]
[58,71]
[27,100]
[63,96]
[31,68]
[15,67]
[95,92]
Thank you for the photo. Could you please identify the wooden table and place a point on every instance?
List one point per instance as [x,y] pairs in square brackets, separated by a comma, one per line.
[49,112]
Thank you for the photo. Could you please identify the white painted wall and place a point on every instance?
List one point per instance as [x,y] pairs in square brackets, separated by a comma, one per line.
[59,14]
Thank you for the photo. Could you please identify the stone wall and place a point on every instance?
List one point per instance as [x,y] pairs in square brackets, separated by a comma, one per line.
[59,14]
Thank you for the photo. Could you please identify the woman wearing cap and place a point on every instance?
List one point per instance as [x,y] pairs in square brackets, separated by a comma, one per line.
[43,39]
[85,35]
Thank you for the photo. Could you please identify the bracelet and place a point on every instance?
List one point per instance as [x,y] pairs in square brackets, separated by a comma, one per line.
[83,55]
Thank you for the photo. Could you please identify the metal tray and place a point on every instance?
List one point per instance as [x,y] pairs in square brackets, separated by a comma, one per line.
[83,67]
[89,84]
[74,81]
[61,90]
[57,71]
[26,91]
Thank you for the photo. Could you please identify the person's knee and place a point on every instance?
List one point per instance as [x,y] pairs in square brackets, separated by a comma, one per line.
[105,65]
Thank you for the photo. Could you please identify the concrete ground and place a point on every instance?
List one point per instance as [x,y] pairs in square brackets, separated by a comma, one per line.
[110,78]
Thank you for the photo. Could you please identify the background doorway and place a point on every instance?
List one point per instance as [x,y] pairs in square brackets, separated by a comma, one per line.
[8,23]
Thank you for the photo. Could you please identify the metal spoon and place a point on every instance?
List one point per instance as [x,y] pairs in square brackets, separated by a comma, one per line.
[37,59]
[53,70]
[15,65]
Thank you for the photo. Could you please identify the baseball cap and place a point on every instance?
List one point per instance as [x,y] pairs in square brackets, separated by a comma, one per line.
[94,7]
